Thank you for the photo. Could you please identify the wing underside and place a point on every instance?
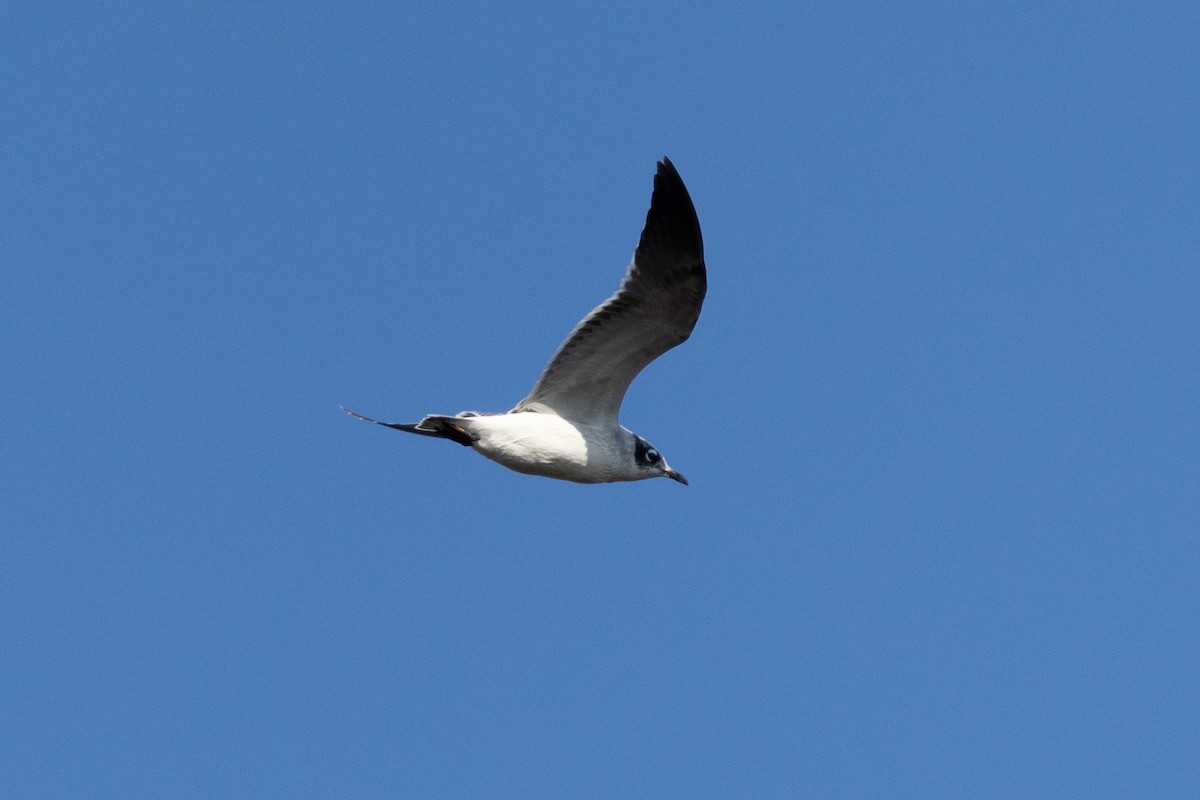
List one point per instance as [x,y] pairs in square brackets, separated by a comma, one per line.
[653,310]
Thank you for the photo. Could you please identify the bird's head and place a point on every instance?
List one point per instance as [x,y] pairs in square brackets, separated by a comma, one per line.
[651,463]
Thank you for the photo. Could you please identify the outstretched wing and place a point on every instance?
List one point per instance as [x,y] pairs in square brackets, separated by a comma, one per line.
[653,310]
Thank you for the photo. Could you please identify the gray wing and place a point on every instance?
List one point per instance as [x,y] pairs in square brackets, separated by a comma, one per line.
[654,309]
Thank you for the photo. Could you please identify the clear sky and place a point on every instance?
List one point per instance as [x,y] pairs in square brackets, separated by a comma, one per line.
[939,414]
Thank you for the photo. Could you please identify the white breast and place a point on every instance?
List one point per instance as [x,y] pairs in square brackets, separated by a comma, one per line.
[547,444]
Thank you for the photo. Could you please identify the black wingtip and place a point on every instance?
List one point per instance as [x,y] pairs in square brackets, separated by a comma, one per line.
[400,426]
[671,223]
[666,171]
[348,411]
[356,415]
[441,431]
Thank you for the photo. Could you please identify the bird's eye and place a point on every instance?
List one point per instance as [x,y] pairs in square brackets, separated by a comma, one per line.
[652,456]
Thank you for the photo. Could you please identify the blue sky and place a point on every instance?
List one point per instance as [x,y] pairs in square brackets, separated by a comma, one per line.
[939,414]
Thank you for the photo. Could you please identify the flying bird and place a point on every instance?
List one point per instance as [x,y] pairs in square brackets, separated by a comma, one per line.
[567,427]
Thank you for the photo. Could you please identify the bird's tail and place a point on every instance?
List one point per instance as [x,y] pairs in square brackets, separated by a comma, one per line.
[438,425]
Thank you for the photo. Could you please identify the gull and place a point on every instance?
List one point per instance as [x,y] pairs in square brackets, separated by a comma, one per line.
[567,427]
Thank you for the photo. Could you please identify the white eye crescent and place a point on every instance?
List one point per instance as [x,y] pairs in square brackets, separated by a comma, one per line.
[652,456]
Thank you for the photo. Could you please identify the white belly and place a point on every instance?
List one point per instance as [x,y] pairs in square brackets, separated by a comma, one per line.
[546,444]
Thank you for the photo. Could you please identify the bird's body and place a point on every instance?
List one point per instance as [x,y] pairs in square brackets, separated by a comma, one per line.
[547,444]
[567,427]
